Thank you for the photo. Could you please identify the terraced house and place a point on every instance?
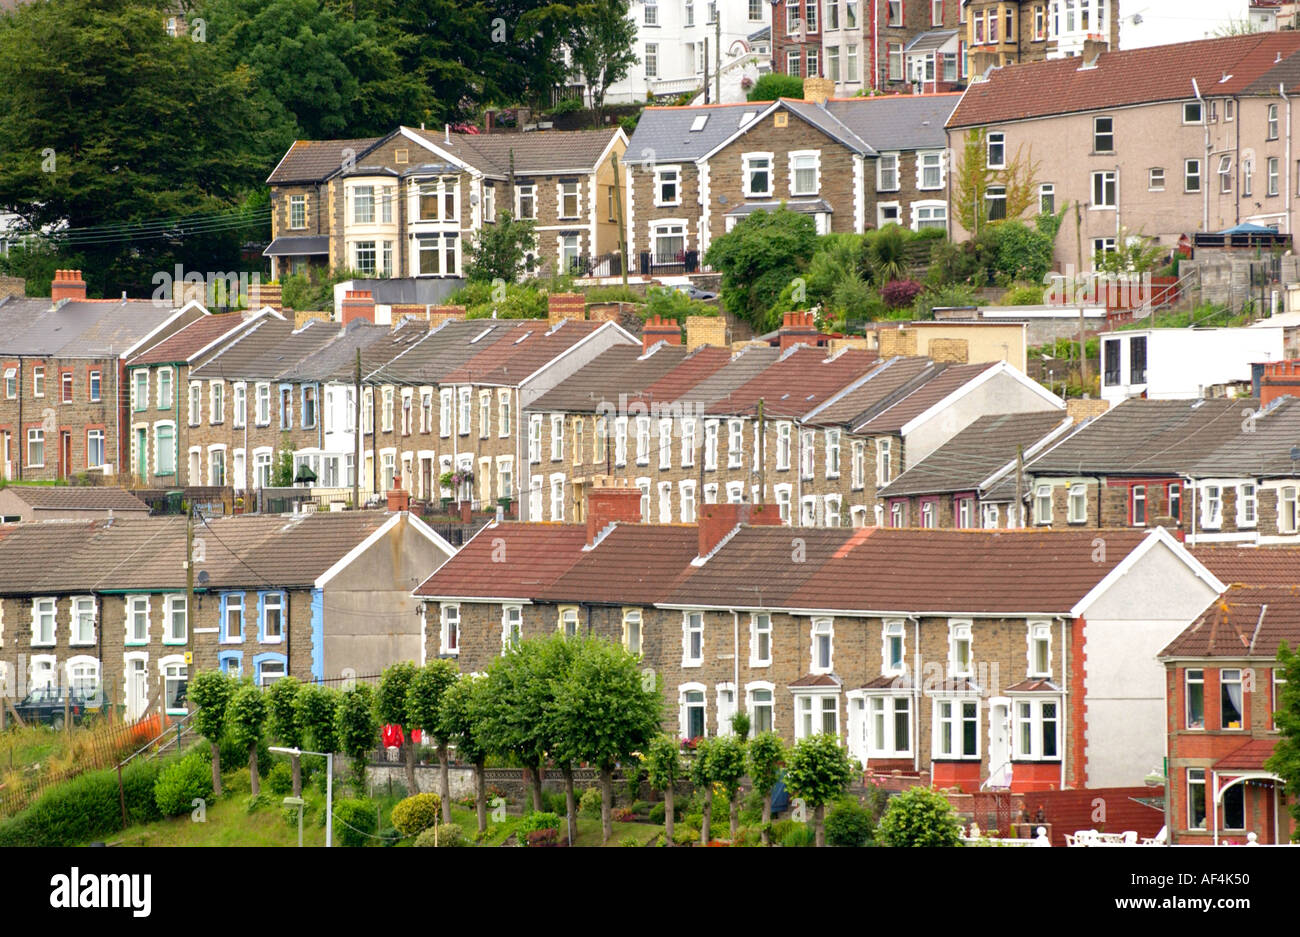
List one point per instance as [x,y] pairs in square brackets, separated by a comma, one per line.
[63,406]
[915,648]
[410,204]
[103,606]
[852,164]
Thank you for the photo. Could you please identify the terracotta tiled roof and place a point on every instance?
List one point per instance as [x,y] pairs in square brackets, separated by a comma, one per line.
[181,346]
[697,367]
[802,379]
[1245,622]
[637,564]
[1225,66]
[1146,437]
[1251,566]
[1250,757]
[621,370]
[514,561]
[1035,685]
[817,681]
[77,498]
[511,360]
[552,151]
[879,388]
[742,368]
[316,160]
[895,417]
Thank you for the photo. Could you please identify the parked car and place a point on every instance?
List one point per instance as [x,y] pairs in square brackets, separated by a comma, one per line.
[694,292]
[46,705]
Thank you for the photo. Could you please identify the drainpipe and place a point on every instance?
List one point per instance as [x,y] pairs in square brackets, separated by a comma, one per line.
[735,661]
[20,438]
[1205,188]
[916,697]
[1281,89]
[1065,699]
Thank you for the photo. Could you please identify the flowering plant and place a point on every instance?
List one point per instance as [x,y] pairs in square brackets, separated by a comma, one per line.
[456,479]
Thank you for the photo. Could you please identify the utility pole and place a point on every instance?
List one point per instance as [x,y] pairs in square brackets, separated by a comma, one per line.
[189,587]
[717,51]
[706,70]
[762,456]
[1083,339]
[1020,476]
[356,423]
[618,211]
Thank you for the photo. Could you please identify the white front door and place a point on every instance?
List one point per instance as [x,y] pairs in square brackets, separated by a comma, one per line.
[858,728]
[999,743]
[137,688]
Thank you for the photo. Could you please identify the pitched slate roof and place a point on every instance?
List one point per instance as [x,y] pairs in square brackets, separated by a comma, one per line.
[444,349]
[1146,437]
[316,160]
[1246,621]
[894,417]
[77,498]
[235,357]
[666,131]
[544,153]
[880,388]
[1260,448]
[898,121]
[510,561]
[92,328]
[336,360]
[742,368]
[281,359]
[621,370]
[181,346]
[694,370]
[1125,78]
[262,551]
[968,459]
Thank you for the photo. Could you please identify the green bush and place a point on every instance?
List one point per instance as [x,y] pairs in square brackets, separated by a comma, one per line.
[848,823]
[533,822]
[554,802]
[613,294]
[668,303]
[686,835]
[256,802]
[290,815]
[589,802]
[355,824]
[567,106]
[86,808]
[444,834]
[954,294]
[771,86]
[234,755]
[280,778]
[798,835]
[181,783]
[1023,296]
[416,814]
[919,817]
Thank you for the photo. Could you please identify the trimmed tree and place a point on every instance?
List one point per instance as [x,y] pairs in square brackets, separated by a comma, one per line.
[1285,760]
[663,770]
[766,755]
[424,699]
[516,722]
[210,692]
[818,771]
[920,817]
[357,728]
[460,723]
[282,722]
[391,705]
[604,712]
[727,765]
[701,769]
[246,717]
[549,666]
[313,710]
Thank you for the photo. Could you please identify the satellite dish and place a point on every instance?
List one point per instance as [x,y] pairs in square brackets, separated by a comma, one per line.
[202,578]
[722,200]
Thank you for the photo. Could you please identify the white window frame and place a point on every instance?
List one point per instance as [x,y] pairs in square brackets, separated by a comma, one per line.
[957,719]
[1036,634]
[794,158]
[1035,721]
[683,720]
[961,630]
[821,629]
[691,626]
[929,159]
[885,707]
[746,160]
[752,704]
[662,177]
[887,172]
[760,626]
[1247,504]
[512,625]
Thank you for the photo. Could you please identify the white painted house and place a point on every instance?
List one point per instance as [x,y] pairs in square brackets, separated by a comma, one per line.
[1173,364]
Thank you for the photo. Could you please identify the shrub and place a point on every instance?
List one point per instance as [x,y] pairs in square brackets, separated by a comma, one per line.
[686,835]
[416,814]
[899,294]
[280,778]
[589,802]
[624,815]
[181,783]
[567,106]
[552,802]
[356,821]
[86,808]
[798,835]
[668,303]
[771,86]
[952,295]
[533,822]
[919,817]
[1023,296]
[290,815]
[658,812]
[256,802]
[444,834]
[546,837]
[848,823]
[234,755]
[629,841]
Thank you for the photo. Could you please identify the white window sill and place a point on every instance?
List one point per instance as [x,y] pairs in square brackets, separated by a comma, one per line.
[451,652]
[263,640]
[135,643]
[698,663]
[91,643]
[759,663]
[170,642]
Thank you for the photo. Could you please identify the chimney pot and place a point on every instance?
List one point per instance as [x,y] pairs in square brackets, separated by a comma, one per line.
[613,500]
[67,284]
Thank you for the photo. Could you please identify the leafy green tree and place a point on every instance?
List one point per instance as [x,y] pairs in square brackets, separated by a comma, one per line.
[460,721]
[664,769]
[766,755]
[920,817]
[314,709]
[95,95]
[282,721]
[1285,760]
[701,772]
[727,765]
[972,178]
[602,48]
[669,303]
[512,720]
[282,471]
[246,717]
[771,86]
[604,712]
[357,729]
[1132,254]
[1024,252]
[210,692]
[503,251]
[758,258]
[550,663]
[392,708]
[818,770]
[424,700]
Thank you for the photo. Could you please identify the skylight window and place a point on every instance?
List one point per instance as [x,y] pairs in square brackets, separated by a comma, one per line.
[698,124]
[747,117]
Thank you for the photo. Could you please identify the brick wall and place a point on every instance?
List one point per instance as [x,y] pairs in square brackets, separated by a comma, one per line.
[52,416]
[897,342]
[950,350]
[705,330]
[12,286]
[1080,408]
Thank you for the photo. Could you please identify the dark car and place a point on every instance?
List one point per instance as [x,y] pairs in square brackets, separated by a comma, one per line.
[46,705]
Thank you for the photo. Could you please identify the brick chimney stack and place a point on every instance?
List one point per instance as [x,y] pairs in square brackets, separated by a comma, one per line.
[660,330]
[358,304]
[399,499]
[67,284]
[610,500]
[798,328]
[717,521]
[1279,379]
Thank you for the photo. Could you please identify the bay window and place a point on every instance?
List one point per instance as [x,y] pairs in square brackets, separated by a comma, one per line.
[956,728]
[1037,730]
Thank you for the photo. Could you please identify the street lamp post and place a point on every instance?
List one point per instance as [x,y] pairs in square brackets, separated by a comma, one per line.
[329,787]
